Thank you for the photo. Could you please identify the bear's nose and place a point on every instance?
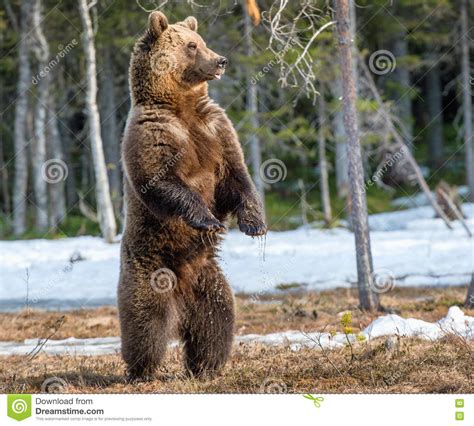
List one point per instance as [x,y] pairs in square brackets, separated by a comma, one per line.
[222,62]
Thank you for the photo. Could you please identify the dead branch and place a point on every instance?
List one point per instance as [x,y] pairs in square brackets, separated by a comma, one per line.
[285,34]
[455,210]
[86,210]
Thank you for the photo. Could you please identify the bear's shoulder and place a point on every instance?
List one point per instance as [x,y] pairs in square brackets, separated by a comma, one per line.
[149,121]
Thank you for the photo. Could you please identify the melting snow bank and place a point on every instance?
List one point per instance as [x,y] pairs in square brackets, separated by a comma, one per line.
[410,245]
[455,322]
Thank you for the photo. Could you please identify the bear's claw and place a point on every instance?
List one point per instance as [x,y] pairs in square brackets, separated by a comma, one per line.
[253,230]
[209,225]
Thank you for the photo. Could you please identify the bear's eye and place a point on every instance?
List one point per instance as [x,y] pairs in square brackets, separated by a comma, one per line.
[192,46]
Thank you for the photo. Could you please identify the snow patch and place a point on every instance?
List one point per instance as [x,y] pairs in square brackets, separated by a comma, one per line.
[411,245]
[455,322]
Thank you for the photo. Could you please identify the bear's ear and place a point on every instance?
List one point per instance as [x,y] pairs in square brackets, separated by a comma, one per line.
[190,22]
[157,23]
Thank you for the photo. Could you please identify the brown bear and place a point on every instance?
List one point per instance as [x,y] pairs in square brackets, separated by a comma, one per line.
[184,175]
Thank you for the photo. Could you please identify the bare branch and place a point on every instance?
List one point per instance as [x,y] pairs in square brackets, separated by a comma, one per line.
[289,34]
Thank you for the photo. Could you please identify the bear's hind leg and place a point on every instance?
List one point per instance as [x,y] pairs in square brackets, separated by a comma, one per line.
[146,324]
[208,324]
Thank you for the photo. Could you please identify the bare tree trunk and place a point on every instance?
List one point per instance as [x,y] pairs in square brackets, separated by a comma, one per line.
[38,157]
[20,182]
[353,32]
[467,101]
[304,202]
[56,189]
[104,203]
[368,299]
[11,15]
[110,132]
[5,183]
[401,75]
[323,168]
[434,107]
[252,111]
[470,294]
[342,174]
[66,140]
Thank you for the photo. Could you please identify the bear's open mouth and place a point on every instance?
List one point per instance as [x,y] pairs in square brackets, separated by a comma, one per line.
[219,73]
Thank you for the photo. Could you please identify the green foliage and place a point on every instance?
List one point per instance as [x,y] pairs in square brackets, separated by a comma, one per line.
[73,226]
[289,128]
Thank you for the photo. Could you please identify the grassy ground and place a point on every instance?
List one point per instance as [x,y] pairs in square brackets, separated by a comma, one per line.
[409,365]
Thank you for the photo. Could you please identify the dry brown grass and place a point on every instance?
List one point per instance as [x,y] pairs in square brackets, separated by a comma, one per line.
[290,311]
[416,366]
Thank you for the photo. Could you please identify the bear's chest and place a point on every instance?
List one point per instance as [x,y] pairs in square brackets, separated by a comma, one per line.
[204,155]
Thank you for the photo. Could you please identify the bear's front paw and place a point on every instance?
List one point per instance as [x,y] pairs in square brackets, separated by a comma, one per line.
[210,224]
[253,228]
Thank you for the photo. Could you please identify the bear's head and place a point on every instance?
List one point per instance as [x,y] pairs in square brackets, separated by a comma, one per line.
[169,59]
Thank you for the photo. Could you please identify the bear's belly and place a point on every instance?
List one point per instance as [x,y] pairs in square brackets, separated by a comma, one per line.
[204,184]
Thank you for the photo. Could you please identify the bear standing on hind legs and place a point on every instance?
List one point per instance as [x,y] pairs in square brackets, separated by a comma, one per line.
[184,175]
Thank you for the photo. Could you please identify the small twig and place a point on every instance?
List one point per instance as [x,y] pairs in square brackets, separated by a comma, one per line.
[39,346]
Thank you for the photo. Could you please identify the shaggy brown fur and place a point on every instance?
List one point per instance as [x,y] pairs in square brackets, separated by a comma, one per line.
[184,175]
